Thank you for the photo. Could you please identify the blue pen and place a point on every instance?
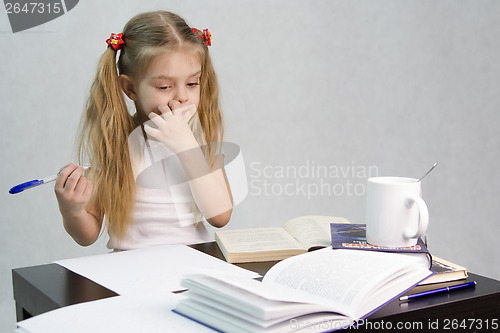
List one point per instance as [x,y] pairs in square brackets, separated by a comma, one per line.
[438,291]
[35,182]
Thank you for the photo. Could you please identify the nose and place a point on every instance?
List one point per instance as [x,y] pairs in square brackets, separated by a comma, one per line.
[181,95]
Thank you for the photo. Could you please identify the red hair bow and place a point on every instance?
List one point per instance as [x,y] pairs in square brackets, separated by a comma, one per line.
[206,35]
[115,41]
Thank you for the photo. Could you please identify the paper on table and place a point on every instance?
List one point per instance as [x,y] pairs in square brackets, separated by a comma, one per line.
[124,314]
[151,270]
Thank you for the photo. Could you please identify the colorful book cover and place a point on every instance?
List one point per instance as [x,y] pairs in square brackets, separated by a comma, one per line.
[353,237]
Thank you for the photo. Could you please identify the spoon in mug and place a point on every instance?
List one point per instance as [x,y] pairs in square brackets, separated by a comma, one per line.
[432,168]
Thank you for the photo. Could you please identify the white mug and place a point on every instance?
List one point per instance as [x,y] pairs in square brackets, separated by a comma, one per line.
[396,214]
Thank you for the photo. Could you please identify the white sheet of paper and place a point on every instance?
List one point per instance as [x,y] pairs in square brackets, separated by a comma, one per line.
[149,271]
[124,314]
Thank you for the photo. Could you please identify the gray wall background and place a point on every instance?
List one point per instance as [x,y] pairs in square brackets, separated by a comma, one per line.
[361,88]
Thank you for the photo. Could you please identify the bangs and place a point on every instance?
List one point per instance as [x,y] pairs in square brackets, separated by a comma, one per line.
[149,54]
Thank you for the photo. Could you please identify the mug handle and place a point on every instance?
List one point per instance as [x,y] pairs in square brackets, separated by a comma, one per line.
[423,218]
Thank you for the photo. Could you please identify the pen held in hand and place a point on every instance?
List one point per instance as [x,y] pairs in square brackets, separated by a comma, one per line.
[35,183]
[438,291]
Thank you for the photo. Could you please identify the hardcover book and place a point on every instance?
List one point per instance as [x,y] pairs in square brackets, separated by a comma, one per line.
[446,271]
[298,235]
[353,236]
[318,291]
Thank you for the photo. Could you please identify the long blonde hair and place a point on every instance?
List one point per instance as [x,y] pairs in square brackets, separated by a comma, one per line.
[107,123]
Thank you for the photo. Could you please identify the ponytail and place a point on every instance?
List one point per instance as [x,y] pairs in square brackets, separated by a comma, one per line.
[103,138]
[107,123]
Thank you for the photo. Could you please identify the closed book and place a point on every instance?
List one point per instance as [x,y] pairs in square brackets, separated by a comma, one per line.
[353,237]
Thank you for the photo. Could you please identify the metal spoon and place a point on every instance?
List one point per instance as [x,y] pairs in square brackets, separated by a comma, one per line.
[432,168]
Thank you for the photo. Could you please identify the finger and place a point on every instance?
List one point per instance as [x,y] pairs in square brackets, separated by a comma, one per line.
[189,113]
[81,185]
[173,104]
[86,188]
[156,119]
[164,109]
[67,165]
[155,133]
[186,112]
[64,174]
[72,180]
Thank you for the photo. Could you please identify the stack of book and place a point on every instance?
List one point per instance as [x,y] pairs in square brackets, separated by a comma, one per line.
[353,236]
[309,291]
[317,291]
[308,233]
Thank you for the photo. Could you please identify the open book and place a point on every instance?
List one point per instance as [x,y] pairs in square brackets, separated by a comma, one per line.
[297,236]
[317,291]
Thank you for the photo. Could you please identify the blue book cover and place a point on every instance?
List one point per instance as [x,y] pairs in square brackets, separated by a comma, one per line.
[353,237]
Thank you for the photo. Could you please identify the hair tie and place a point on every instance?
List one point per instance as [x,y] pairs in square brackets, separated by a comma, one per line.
[115,41]
[206,35]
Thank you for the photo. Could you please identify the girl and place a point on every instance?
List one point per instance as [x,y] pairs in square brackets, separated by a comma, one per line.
[164,67]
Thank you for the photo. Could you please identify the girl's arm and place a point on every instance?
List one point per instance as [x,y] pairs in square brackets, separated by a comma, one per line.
[208,185]
[73,191]
[222,219]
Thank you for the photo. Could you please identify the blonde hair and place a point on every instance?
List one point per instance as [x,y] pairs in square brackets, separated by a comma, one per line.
[106,123]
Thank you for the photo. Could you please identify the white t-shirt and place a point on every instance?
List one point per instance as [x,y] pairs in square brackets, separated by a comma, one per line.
[156,220]
[163,212]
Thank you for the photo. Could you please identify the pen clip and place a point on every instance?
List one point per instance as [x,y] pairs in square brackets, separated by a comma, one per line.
[24,186]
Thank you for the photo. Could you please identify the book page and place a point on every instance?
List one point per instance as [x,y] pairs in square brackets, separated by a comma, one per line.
[342,278]
[312,231]
[245,305]
[259,239]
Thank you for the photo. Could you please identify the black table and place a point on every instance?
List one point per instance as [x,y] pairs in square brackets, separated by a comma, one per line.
[42,288]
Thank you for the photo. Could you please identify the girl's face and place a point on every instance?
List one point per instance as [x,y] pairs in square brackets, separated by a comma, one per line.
[172,79]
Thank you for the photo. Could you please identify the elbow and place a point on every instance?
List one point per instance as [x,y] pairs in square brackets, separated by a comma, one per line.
[82,238]
[220,220]
[85,240]
[84,229]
